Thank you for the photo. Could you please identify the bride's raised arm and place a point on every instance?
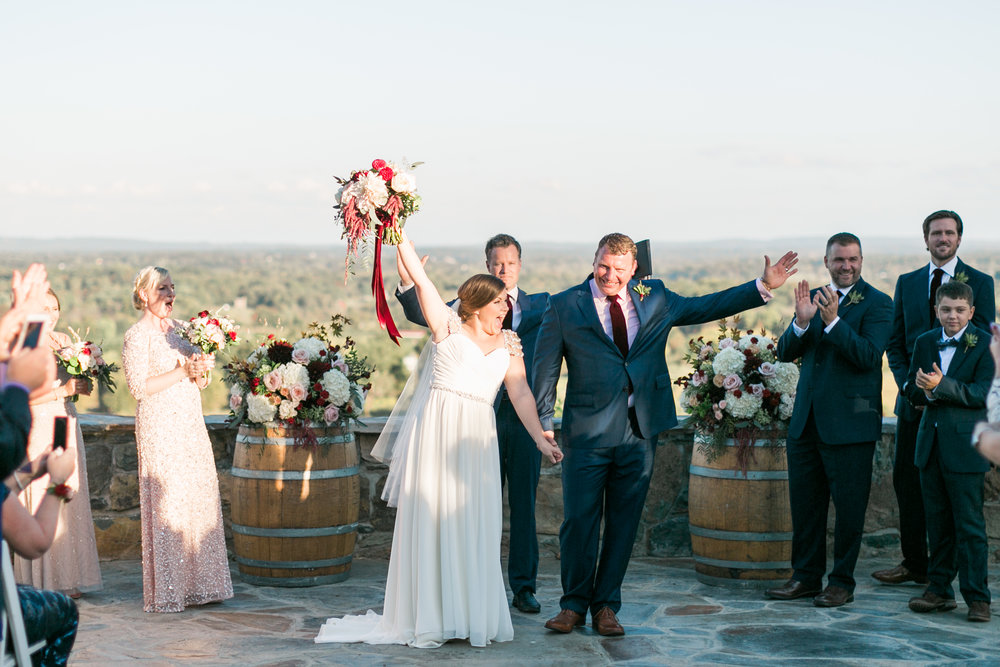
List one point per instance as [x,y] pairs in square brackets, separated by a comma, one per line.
[433,307]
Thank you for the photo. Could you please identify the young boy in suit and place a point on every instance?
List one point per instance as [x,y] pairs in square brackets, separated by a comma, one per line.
[950,376]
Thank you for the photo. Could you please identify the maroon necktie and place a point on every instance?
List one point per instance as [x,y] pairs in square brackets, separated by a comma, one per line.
[508,319]
[935,283]
[618,328]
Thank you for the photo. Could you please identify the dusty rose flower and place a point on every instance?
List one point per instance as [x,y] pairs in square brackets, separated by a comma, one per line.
[698,379]
[300,356]
[297,393]
[235,401]
[757,389]
[732,382]
[273,381]
[767,369]
[331,414]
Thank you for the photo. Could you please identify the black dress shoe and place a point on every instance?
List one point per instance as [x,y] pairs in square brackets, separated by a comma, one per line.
[931,602]
[525,601]
[792,590]
[833,596]
[898,575]
[979,611]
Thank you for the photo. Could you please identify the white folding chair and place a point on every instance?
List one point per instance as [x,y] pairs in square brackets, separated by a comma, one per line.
[13,622]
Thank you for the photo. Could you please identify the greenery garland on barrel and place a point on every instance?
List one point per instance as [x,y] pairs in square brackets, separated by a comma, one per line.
[309,382]
[737,389]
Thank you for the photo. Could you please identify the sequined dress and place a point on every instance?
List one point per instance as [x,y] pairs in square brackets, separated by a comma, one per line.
[445,579]
[71,562]
[184,559]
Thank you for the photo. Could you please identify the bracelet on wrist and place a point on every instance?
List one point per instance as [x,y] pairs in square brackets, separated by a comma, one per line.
[61,491]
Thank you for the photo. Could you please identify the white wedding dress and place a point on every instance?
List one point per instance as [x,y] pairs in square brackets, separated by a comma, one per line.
[445,580]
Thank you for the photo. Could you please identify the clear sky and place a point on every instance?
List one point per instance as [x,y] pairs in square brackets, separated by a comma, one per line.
[675,120]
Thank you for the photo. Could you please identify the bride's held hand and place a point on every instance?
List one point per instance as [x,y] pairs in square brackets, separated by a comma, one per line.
[550,449]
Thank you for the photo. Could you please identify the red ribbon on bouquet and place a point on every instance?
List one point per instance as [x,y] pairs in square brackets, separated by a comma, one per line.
[378,291]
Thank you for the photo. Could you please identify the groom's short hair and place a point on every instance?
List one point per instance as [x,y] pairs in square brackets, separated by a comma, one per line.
[843,238]
[502,241]
[617,244]
[942,215]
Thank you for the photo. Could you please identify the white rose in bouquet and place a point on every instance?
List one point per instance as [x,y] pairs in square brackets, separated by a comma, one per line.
[310,345]
[728,361]
[259,409]
[293,374]
[337,385]
[287,409]
[404,182]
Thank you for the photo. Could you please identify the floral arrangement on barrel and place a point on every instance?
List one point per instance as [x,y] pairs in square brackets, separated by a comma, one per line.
[373,205]
[737,389]
[311,382]
[84,358]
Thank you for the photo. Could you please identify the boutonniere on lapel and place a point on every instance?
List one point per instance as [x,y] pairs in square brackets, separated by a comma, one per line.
[642,290]
[854,298]
[962,277]
[969,340]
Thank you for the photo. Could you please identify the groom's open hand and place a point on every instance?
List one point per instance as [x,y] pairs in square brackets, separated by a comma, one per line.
[776,275]
[805,307]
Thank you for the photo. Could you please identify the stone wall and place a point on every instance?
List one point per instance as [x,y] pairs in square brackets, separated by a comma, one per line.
[112,467]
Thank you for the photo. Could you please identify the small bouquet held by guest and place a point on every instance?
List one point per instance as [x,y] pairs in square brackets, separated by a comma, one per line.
[84,358]
[311,381]
[738,389]
[373,205]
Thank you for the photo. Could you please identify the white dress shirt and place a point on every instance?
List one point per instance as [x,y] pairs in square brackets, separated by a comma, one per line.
[949,272]
[604,311]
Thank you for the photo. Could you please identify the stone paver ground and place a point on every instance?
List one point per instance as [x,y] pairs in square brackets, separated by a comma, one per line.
[670,619]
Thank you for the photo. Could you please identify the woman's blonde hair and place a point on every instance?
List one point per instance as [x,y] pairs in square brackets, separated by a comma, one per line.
[146,279]
[476,292]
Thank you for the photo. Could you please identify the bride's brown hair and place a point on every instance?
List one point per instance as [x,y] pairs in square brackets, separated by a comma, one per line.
[476,292]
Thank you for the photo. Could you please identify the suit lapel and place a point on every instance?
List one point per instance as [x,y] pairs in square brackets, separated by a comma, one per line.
[848,304]
[961,353]
[921,288]
[585,303]
[640,305]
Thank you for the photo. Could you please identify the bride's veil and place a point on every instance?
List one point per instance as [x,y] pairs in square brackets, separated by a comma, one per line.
[393,445]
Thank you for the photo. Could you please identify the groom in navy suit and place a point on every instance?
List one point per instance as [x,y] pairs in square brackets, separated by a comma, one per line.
[612,332]
[913,306]
[520,460]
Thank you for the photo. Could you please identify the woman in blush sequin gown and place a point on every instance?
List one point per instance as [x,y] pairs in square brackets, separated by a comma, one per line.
[184,559]
[445,579]
[70,565]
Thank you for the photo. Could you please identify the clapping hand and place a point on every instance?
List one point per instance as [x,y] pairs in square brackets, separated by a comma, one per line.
[775,276]
[929,381]
[828,303]
[805,307]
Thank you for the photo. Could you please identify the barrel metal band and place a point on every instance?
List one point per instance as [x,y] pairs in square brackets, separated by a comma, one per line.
[739,536]
[742,564]
[324,440]
[295,582]
[296,475]
[756,475]
[295,564]
[324,531]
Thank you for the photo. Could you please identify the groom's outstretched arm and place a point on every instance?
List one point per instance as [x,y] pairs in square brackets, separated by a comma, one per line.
[547,364]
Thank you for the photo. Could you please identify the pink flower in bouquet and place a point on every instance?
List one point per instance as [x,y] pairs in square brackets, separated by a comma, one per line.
[273,380]
[341,366]
[331,414]
[726,342]
[300,356]
[732,382]
[757,389]
[378,164]
[297,393]
[705,352]
[698,378]
[767,369]
[386,174]
[235,401]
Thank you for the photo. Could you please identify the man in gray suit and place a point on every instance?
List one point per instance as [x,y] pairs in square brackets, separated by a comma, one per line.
[520,460]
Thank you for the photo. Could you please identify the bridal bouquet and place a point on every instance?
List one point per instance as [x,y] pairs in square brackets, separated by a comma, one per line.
[84,358]
[209,332]
[308,381]
[373,205]
[737,389]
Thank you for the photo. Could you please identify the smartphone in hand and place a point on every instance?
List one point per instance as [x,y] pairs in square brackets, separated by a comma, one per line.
[59,433]
[31,332]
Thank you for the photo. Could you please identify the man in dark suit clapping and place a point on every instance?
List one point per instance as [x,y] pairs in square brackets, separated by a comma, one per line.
[839,332]
[913,314]
[520,459]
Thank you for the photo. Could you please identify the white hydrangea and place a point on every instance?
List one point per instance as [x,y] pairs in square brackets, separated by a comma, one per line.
[311,345]
[749,340]
[259,409]
[785,379]
[787,404]
[287,409]
[293,374]
[728,361]
[743,407]
[337,385]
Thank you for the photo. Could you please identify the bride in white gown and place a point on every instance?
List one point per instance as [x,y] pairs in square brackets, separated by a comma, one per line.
[445,579]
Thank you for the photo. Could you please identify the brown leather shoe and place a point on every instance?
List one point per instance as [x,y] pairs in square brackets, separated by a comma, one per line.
[565,621]
[932,602]
[792,590]
[898,575]
[979,611]
[606,623]
[833,596]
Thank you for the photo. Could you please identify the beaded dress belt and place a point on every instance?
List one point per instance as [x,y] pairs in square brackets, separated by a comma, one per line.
[463,394]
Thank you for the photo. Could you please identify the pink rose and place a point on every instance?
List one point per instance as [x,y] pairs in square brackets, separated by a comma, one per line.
[722,404]
[698,378]
[767,369]
[732,382]
[300,356]
[331,414]
[235,401]
[340,366]
[726,342]
[757,389]
[297,393]
[705,352]
[273,381]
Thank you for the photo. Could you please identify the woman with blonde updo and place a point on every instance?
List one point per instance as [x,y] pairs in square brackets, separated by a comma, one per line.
[184,558]
[445,579]
[70,565]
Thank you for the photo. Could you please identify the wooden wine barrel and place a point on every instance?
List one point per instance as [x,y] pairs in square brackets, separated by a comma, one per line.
[294,508]
[741,527]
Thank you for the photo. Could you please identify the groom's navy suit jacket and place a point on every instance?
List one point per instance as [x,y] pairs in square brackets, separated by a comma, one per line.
[840,379]
[960,400]
[596,407]
[911,318]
